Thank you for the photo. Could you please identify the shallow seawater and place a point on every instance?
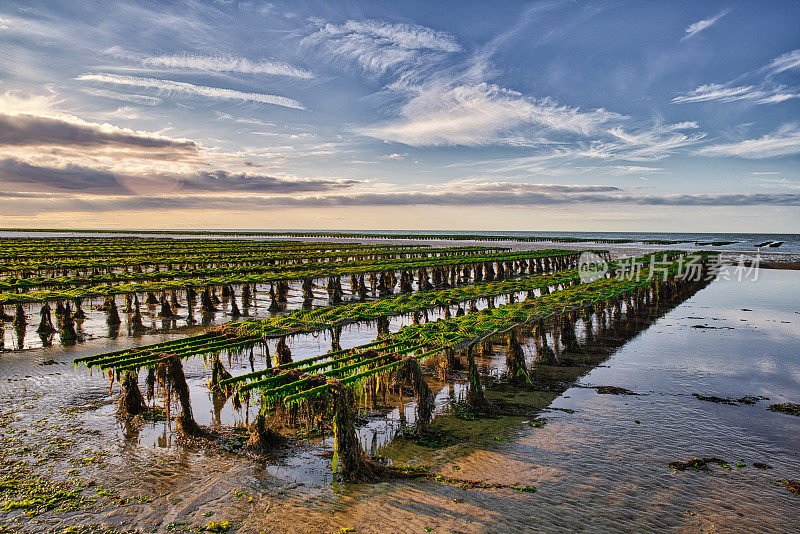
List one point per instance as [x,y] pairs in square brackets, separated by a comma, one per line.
[603,467]
[606,466]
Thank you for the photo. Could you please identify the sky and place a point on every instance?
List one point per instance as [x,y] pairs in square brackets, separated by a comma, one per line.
[462,115]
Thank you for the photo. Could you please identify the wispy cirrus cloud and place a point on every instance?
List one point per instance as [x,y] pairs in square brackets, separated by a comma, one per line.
[170,86]
[778,97]
[784,142]
[646,144]
[784,62]
[211,64]
[241,120]
[615,151]
[633,169]
[716,92]
[481,114]
[719,92]
[763,91]
[703,24]
[143,100]
[377,47]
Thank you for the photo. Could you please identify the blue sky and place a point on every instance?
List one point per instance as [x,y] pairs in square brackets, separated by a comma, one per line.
[399,115]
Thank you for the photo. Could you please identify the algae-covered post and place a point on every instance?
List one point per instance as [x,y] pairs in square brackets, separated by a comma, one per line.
[349,461]
[515,360]
[475,395]
[175,382]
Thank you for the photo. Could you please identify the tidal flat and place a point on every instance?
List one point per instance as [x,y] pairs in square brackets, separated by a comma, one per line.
[618,432]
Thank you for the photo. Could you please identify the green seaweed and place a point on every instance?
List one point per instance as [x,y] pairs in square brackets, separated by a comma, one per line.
[786,407]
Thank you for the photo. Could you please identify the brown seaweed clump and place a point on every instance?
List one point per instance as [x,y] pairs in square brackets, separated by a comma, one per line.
[568,338]
[262,438]
[383,326]
[112,317]
[67,332]
[793,485]
[235,311]
[425,397]
[218,373]
[283,354]
[166,309]
[174,381]
[131,403]
[476,398]
[46,324]
[515,361]
[19,317]
[136,321]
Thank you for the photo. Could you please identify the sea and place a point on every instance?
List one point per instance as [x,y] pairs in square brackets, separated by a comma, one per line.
[788,244]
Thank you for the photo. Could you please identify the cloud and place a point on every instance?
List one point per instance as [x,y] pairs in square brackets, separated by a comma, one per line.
[124,97]
[377,47]
[778,97]
[787,61]
[68,178]
[696,27]
[241,120]
[784,142]
[405,36]
[726,93]
[509,194]
[43,131]
[169,86]
[646,144]
[395,156]
[32,130]
[13,103]
[481,114]
[633,169]
[213,64]
[220,180]
[764,91]
[719,92]
[91,181]
[497,195]
[4,23]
